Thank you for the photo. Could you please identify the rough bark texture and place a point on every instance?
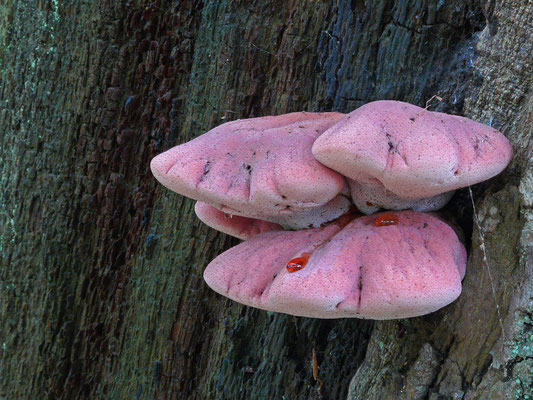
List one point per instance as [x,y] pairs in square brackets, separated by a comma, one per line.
[101,294]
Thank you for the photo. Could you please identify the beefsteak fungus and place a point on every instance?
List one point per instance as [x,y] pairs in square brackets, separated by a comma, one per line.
[240,227]
[367,269]
[259,168]
[254,178]
[397,155]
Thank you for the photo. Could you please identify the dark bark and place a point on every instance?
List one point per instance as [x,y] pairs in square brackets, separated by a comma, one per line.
[101,291]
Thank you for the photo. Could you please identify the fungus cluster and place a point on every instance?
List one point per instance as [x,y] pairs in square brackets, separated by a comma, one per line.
[287,185]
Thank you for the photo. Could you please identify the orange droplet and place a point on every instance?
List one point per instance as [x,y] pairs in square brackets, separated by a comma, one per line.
[387,219]
[298,263]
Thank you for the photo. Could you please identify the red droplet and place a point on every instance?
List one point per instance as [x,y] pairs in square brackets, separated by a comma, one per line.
[387,219]
[369,204]
[298,263]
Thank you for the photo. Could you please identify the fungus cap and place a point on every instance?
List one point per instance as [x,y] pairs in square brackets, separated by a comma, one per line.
[360,270]
[397,152]
[240,227]
[260,168]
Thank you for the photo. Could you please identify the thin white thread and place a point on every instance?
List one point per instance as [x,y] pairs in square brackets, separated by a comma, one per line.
[486,262]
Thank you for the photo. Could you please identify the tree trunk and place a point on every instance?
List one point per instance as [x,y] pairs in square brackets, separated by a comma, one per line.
[101,290]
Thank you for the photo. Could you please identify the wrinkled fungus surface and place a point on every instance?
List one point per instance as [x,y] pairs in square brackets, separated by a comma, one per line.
[255,178]
[397,155]
[403,270]
[259,168]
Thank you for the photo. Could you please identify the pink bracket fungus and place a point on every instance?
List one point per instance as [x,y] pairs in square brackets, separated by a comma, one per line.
[397,155]
[254,178]
[363,270]
[240,227]
[259,168]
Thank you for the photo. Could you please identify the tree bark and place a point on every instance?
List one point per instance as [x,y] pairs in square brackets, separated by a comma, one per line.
[101,290]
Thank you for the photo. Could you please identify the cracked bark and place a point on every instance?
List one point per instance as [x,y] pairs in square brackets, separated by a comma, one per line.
[101,293]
